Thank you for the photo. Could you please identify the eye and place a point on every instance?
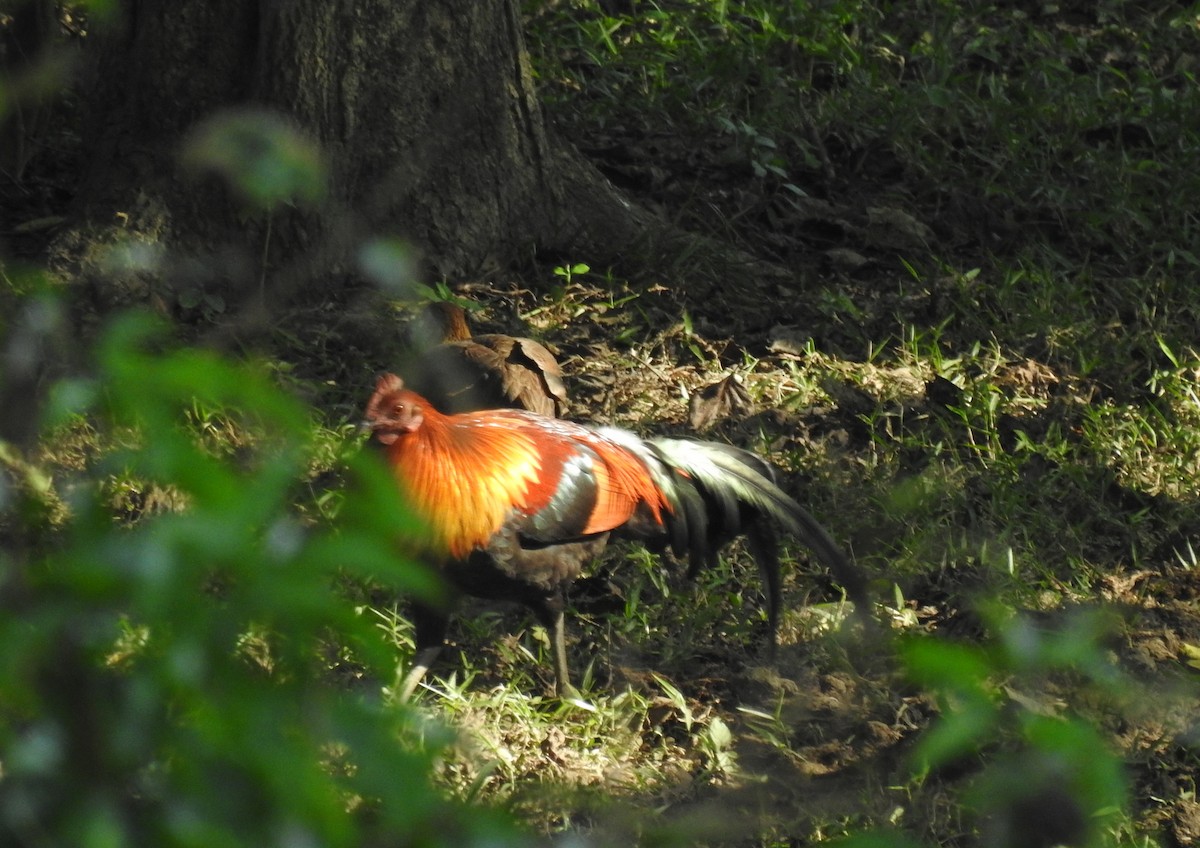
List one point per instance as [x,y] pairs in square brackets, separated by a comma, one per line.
[399,409]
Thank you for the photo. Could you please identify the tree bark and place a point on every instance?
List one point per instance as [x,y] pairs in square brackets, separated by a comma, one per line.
[26,61]
[426,110]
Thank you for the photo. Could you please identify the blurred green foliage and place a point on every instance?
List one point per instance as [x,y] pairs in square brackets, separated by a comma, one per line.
[167,681]
[261,155]
[1053,779]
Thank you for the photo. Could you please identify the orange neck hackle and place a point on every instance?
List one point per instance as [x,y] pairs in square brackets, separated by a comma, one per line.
[466,475]
[462,475]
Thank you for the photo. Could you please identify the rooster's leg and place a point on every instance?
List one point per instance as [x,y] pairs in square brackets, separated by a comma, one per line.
[763,543]
[558,638]
[421,663]
[430,636]
[550,614]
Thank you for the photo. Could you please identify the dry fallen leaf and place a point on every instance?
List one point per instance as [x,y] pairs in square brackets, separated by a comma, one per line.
[719,400]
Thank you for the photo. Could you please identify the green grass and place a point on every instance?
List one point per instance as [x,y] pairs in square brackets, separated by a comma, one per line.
[1058,145]
[1034,170]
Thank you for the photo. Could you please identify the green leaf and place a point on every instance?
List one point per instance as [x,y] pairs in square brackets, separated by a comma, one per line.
[946,665]
[719,734]
[390,264]
[962,729]
[261,155]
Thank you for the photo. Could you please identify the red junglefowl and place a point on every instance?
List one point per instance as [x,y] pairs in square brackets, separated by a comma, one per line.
[515,504]
[463,373]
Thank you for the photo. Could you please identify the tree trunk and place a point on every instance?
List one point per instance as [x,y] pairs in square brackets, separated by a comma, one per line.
[26,64]
[425,109]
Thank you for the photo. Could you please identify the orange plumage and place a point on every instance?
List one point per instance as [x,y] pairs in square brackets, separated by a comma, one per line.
[466,474]
[516,503]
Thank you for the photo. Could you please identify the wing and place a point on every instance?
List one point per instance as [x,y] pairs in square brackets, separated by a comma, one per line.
[470,475]
[599,484]
[530,376]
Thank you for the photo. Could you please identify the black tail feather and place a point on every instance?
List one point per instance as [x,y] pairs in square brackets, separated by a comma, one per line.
[740,491]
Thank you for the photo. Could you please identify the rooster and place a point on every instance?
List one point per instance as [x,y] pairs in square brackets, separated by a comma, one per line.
[459,372]
[514,504]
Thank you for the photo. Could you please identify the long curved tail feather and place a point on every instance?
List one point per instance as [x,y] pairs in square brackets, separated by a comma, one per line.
[732,479]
